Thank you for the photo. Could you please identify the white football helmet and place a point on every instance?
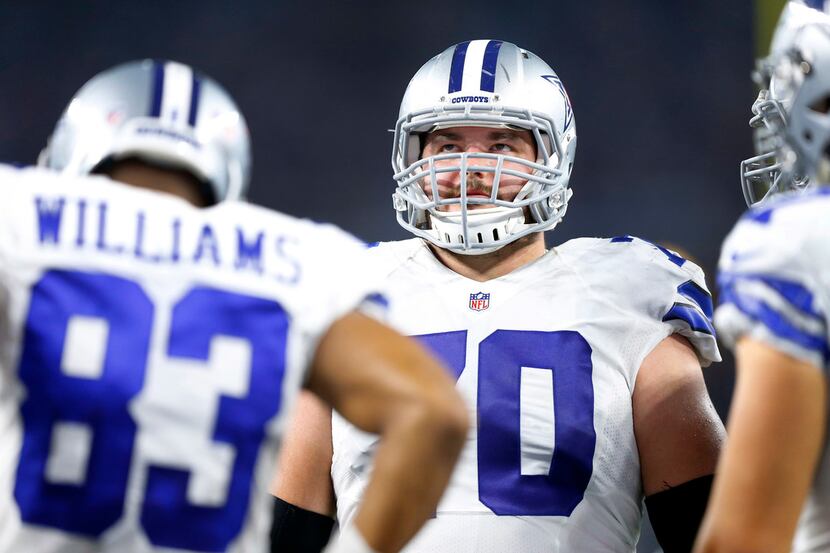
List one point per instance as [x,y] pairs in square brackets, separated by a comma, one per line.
[772,169]
[806,71]
[483,83]
[159,111]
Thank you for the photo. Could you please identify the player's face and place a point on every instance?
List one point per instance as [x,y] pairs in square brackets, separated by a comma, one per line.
[456,140]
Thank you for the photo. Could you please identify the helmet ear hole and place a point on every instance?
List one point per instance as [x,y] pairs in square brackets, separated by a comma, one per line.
[821,106]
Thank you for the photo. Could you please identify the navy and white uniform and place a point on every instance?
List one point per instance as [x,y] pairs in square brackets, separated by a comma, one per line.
[546,358]
[775,288]
[148,353]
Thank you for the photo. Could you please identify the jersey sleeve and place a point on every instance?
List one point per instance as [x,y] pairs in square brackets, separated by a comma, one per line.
[671,291]
[15,184]
[770,282]
[340,280]
[689,310]
[10,186]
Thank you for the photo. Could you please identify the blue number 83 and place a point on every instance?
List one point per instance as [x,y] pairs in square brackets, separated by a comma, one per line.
[502,355]
[95,404]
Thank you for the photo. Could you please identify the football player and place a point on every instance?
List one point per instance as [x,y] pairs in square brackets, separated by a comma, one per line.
[772,492]
[150,348]
[581,364]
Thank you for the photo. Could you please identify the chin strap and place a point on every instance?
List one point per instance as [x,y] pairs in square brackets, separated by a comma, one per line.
[487,228]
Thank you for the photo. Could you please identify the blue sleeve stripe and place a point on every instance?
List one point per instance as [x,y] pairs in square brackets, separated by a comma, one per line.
[691,316]
[694,292]
[673,257]
[796,294]
[779,325]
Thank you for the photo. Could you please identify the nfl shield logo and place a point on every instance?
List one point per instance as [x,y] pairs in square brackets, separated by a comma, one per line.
[479,301]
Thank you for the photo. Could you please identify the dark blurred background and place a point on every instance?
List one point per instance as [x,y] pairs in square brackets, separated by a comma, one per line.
[661,94]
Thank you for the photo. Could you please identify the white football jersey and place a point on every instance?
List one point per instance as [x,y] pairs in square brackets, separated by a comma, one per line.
[546,358]
[148,353]
[775,287]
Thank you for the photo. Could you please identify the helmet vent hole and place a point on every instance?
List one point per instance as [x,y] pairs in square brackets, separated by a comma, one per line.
[447,237]
[495,234]
[822,105]
[808,136]
[480,238]
[460,239]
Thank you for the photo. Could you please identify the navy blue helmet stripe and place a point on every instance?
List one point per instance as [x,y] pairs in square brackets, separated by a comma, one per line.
[158,88]
[194,101]
[488,67]
[817,4]
[457,67]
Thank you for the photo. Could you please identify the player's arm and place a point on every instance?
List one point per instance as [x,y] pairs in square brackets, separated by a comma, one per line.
[776,430]
[679,436]
[387,384]
[304,502]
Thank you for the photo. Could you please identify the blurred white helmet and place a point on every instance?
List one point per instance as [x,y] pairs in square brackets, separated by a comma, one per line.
[805,71]
[772,169]
[483,83]
[161,112]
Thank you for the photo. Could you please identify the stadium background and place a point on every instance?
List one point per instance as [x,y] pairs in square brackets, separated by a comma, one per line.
[661,95]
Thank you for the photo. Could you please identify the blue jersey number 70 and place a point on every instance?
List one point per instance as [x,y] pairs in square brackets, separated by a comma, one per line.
[501,357]
[97,404]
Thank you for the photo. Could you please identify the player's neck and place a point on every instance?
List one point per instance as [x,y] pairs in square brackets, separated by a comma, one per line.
[140,174]
[496,264]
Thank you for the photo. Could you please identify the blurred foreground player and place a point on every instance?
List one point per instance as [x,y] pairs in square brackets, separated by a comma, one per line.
[581,364]
[772,493]
[150,348]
